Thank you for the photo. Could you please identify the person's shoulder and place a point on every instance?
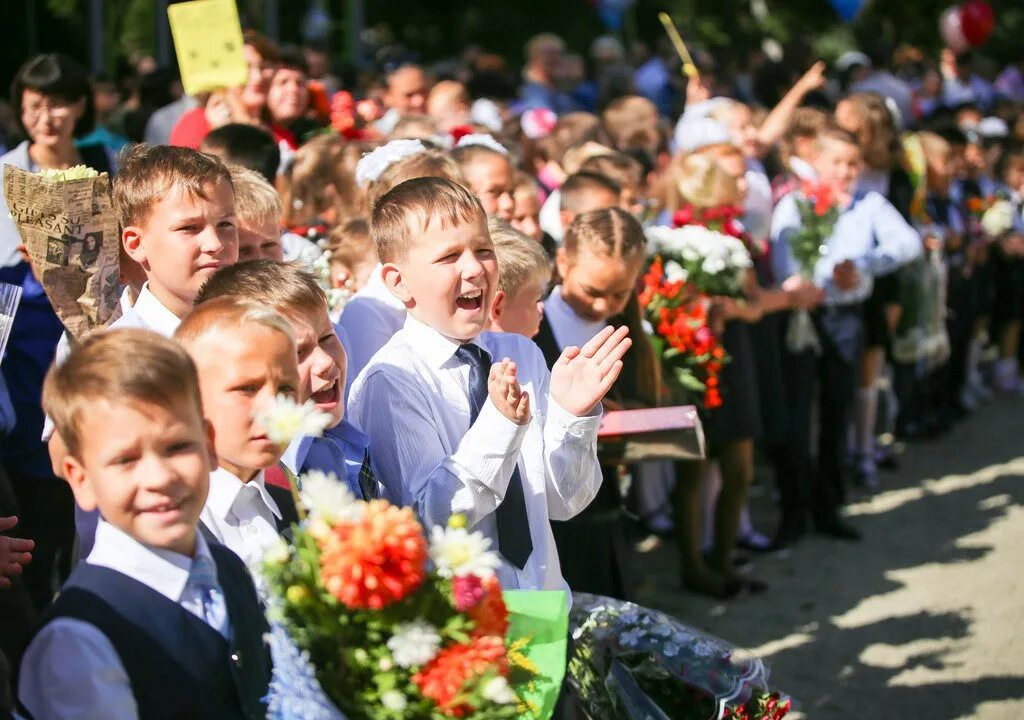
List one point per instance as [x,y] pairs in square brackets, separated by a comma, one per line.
[514,346]
[17,156]
[129,319]
[395,357]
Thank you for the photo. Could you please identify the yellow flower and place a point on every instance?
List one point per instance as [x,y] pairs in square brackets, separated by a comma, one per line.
[296,594]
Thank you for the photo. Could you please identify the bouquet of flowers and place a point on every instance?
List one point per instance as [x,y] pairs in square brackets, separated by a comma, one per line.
[997,219]
[691,264]
[352,119]
[391,624]
[819,212]
[633,663]
[336,297]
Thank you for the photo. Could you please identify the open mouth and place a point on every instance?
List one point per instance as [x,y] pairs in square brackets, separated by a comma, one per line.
[472,300]
[165,508]
[328,396]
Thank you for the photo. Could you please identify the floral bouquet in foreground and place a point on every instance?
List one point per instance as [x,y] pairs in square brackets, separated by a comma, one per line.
[712,262]
[816,203]
[632,663]
[391,624]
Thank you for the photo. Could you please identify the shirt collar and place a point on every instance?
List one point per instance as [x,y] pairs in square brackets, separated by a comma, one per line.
[224,489]
[154,314]
[437,349]
[163,570]
[295,454]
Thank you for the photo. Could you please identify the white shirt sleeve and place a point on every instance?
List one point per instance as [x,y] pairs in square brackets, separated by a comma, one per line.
[413,463]
[72,672]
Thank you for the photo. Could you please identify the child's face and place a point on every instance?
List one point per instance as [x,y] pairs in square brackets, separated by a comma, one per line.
[490,179]
[526,216]
[184,241]
[597,286]
[521,312]
[743,131]
[838,164]
[256,241]
[735,166]
[151,477]
[322,363]
[447,278]
[940,168]
[241,371]
[1014,175]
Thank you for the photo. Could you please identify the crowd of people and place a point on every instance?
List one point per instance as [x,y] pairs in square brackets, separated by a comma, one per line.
[448,263]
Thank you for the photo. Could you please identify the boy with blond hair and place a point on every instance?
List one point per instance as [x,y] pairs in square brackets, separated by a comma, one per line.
[154,605]
[258,208]
[524,273]
[245,358]
[322,365]
[506,444]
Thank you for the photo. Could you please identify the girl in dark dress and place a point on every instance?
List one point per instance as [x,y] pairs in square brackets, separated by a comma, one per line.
[599,263]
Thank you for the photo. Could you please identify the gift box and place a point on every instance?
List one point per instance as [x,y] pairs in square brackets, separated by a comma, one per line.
[666,433]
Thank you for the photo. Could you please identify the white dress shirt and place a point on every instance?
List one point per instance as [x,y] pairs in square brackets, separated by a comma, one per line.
[70,669]
[413,402]
[369,320]
[566,325]
[241,516]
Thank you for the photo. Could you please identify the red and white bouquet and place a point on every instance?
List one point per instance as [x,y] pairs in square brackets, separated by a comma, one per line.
[819,210]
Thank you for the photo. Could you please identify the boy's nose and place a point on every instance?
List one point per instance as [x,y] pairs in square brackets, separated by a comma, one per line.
[506,205]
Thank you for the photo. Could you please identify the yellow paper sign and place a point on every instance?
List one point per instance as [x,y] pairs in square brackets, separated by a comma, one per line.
[208,41]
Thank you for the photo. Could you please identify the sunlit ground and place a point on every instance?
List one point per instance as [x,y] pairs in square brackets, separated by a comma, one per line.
[924,619]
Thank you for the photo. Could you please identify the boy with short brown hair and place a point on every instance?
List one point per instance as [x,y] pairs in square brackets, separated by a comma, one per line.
[507,444]
[153,606]
[524,272]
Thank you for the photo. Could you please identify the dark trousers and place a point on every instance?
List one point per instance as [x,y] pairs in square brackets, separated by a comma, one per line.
[837,382]
[792,458]
[48,517]
[17,615]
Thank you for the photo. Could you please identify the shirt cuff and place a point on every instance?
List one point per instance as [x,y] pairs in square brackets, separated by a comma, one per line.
[584,428]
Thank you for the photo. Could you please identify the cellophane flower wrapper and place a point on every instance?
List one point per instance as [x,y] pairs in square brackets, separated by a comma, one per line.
[633,663]
[390,626]
[921,337]
[10,297]
[818,215]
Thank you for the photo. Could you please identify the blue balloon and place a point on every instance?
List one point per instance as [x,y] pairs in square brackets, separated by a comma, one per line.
[847,9]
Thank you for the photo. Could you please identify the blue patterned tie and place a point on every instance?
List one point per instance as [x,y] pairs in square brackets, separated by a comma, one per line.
[513,525]
[203,577]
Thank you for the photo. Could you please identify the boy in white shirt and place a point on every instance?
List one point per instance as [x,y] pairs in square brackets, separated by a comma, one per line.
[245,357]
[156,621]
[505,443]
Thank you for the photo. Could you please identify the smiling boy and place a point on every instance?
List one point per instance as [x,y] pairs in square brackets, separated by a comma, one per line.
[505,443]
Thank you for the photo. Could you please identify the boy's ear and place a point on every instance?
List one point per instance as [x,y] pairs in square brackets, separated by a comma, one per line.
[211,447]
[131,239]
[395,282]
[498,306]
[562,262]
[81,487]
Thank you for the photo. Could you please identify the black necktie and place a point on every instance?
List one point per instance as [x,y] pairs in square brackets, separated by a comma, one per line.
[513,525]
[366,481]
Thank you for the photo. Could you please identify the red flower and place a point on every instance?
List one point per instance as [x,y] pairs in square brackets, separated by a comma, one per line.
[443,678]
[460,131]
[490,615]
[467,591]
[683,216]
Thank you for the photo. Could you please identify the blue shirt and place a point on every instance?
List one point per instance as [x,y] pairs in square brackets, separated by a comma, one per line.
[342,451]
[871,233]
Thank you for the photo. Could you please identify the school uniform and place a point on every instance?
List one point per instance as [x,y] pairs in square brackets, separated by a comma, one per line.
[592,547]
[873,235]
[140,632]
[247,518]
[370,318]
[443,448]
[342,450]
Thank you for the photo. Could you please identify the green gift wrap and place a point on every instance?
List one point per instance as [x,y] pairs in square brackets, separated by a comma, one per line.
[540,617]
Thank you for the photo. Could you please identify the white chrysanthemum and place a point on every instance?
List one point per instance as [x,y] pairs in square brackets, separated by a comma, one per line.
[327,498]
[414,643]
[457,551]
[713,265]
[998,218]
[285,420]
[277,553]
[483,139]
[393,700]
[674,271]
[373,164]
[497,690]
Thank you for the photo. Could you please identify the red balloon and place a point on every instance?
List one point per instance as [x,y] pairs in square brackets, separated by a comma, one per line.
[978,21]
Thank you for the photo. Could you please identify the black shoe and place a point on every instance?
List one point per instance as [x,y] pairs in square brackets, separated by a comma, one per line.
[837,528]
[755,586]
[789,533]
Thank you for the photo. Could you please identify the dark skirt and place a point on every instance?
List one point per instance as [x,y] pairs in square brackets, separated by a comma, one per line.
[739,417]
[592,548]
[876,324]
[766,340]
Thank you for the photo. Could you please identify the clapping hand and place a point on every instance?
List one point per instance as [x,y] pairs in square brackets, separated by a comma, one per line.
[506,393]
[14,552]
[846,276]
[582,376]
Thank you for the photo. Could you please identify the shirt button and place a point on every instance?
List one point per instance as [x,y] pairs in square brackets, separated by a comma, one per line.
[236,658]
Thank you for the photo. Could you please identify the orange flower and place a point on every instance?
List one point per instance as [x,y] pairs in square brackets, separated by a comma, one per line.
[490,615]
[444,677]
[975,204]
[375,560]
